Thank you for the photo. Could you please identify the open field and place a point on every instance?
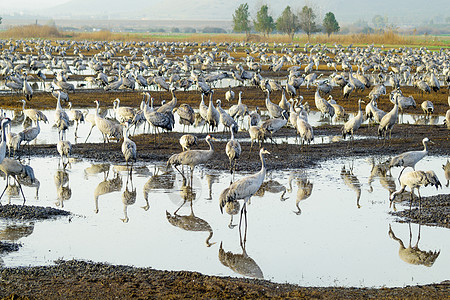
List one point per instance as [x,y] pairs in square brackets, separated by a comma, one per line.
[76,279]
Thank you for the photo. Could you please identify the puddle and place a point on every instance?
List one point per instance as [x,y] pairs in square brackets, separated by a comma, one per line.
[318,227]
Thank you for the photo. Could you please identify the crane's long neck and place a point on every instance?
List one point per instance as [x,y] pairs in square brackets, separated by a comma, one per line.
[3,133]
[58,103]
[425,146]
[211,148]
[125,133]
[208,243]
[23,105]
[96,110]
[400,242]
[263,163]
[211,104]
[240,99]
[232,133]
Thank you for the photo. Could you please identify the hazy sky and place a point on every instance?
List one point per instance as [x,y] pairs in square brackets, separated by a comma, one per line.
[346,11]
[27,5]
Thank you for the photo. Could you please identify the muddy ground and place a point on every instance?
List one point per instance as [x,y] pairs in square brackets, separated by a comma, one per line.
[76,279]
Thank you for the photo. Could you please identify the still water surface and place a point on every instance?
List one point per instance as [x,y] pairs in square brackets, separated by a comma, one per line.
[329,228]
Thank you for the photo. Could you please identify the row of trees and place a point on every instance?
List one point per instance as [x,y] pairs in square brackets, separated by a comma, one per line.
[288,22]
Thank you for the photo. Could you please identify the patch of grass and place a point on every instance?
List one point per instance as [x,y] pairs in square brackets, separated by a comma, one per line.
[388,38]
[31,31]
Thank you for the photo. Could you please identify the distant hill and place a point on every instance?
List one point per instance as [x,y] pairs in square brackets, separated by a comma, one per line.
[346,11]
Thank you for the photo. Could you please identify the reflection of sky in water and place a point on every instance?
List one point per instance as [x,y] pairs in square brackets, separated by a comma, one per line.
[331,242]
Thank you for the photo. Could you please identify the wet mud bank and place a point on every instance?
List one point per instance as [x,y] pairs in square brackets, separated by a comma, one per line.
[88,280]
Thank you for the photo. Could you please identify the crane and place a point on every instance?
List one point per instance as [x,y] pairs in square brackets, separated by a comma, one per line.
[245,188]
[13,168]
[229,95]
[33,114]
[414,180]
[76,116]
[192,158]
[354,123]
[61,118]
[410,158]
[128,148]
[105,126]
[27,90]
[4,123]
[233,149]
[388,121]
[187,141]
[274,109]
[65,150]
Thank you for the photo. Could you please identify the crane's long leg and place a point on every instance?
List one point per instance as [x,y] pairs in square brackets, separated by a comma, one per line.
[184,178]
[7,183]
[89,134]
[20,187]
[401,174]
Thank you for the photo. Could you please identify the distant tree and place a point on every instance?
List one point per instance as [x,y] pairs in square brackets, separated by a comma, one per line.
[330,24]
[1,20]
[379,21]
[175,30]
[288,22]
[213,30]
[264,23]
[308,21]
[241,22]
[189,30]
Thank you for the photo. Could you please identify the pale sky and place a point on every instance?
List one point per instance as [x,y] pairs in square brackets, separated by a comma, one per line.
[28,5]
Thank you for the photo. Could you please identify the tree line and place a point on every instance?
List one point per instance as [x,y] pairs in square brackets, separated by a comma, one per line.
[288,22]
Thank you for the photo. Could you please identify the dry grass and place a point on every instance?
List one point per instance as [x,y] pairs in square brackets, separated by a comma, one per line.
[384,38]
[31,31]
[390,38]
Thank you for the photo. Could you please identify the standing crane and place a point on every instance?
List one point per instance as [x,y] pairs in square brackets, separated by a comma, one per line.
[105,126]
[414,180]
[192,158]
[212,114]
[33,114]
[410,158]
[65,150]
[27,90]
[13,168]
[245,188]
[239,110]
[388,121]
[226,120]
[229,95]
[322,105]
[123,113]
[75,115]
[233,150]
[187,141]
[4,123]
[274,109]
[354,123]
[61,119]
[128,148]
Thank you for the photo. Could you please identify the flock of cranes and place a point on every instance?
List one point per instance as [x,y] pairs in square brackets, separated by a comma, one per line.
[202,67]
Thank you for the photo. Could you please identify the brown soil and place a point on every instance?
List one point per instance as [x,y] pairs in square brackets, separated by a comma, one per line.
[75,279]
